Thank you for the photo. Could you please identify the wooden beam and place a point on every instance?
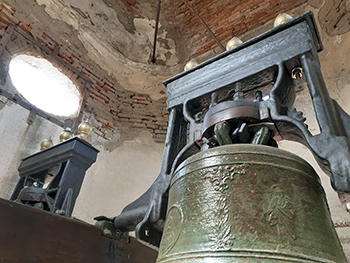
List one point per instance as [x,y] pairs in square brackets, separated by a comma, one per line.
[32,235]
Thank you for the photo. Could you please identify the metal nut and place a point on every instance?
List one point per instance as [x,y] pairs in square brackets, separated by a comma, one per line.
[297,73]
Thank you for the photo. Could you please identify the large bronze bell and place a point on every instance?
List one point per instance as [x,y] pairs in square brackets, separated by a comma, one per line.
[248,203]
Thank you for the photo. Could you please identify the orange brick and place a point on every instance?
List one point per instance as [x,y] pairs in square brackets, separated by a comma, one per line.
[50,46]
[96,97]
[135,97]
[75,45]
[65,57]
[8,7]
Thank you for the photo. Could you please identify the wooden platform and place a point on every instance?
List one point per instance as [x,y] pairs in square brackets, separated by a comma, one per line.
[31,235]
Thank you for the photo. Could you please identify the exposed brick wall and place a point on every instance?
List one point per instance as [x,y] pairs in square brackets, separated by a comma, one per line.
[225,18]
[132,6]
[334,17]
[114,108]
[132,112]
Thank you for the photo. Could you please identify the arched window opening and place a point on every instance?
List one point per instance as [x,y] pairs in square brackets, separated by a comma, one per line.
[44,85]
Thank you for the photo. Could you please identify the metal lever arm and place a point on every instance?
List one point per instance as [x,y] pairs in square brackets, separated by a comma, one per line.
[332,146]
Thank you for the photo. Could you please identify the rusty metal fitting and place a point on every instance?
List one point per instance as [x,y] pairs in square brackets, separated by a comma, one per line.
[297,73]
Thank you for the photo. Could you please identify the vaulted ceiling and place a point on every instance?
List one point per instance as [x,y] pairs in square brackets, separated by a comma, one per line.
[106,46]
[184,20]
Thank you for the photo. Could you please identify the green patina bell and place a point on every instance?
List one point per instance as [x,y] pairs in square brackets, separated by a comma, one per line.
[248,203]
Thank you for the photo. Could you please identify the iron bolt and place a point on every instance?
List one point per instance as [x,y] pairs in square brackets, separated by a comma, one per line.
[297,73]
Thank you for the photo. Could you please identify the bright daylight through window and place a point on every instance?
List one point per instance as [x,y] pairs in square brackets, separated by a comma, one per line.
[44,85]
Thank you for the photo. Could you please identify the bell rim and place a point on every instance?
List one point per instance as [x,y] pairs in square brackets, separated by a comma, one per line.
[252,254]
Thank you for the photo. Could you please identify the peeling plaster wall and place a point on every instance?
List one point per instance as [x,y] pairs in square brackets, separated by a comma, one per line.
[124,55]
[115,109]
[92,17]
